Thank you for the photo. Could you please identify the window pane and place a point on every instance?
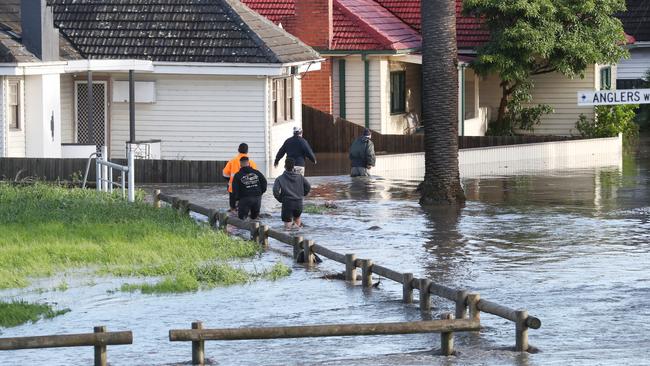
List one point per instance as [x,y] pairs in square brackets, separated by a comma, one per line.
[13,94]
[397,92]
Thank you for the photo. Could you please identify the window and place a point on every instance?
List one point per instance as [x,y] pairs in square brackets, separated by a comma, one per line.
[282,99]
[397,92]
[606,78]
[13,105]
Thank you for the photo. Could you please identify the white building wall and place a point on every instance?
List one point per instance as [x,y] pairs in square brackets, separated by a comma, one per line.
[67,109]
[636,66]
[355,91]
[3,124]
[43,116]
[16,138]
[196,117]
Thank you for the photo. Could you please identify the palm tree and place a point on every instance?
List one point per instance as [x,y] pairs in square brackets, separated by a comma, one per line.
[441,183]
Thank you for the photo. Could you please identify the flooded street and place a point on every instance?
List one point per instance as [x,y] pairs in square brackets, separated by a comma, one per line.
[573,247]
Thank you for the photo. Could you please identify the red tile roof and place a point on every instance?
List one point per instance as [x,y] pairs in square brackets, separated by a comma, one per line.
[378,24]
[367,27]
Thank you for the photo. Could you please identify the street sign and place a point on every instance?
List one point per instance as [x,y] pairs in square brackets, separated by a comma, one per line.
[610,97]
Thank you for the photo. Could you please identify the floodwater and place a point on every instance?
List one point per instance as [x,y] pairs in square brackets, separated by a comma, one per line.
[573,247]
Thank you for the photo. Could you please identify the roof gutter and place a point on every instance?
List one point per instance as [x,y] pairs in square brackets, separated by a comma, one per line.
[32,68]
[405,51]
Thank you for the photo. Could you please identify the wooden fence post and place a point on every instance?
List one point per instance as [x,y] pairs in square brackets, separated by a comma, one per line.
[184,207]
[425,295]
[100,351]
[175,203]
[521,328]
[223,218]
[156,198]
[407,288]
[255,232]
[296,247]
[263,236]
[198,347]
[472,302]
[447,338]
[461,304]
[366,273]
[350,268]
[308,254]
[213,217]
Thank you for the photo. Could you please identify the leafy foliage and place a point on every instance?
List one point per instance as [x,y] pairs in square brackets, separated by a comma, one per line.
[609,122]
[532,37]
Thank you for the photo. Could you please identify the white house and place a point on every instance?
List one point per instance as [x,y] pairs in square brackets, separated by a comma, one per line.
[206,75]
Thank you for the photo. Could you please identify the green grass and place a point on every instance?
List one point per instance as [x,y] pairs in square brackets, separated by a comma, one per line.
[206,277]
[19,312]
[48,229]
[311,208]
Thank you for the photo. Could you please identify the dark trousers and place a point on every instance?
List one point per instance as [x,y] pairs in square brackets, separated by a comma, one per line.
[250,205]
[291,209]
[232,200]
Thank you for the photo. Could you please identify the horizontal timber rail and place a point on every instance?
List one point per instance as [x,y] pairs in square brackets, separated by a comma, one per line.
[446,326]
[99,339]
[462,298]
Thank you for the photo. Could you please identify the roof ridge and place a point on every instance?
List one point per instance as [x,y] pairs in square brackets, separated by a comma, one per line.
[384,39]
[228,7]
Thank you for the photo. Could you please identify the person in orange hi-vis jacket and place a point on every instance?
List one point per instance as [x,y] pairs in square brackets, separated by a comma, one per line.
[232,167]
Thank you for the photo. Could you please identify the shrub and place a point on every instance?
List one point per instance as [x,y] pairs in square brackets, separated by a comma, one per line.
[609,122]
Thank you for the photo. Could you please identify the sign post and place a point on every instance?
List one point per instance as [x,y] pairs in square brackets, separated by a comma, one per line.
[612,97]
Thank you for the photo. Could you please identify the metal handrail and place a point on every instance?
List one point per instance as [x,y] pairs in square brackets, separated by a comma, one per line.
[90,158]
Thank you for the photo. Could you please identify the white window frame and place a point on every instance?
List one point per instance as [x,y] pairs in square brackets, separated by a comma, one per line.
[18,126]
[282,99]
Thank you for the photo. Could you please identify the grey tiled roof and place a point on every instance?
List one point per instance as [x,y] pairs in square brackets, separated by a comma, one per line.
[636,20]
[11,50]
[175,30]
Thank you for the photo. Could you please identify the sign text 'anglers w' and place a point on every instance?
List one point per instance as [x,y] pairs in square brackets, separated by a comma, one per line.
[610,97]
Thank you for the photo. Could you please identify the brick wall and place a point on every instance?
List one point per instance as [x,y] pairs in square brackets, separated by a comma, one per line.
[317,88]
[313,22]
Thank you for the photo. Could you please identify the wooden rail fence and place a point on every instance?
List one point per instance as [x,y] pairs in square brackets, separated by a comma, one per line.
[446,327]
[463,299]
[99,340]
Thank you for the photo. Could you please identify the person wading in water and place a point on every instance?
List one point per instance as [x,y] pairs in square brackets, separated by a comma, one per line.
[248,186]
[296,148]
[232,167]
[289,189]
[362,155]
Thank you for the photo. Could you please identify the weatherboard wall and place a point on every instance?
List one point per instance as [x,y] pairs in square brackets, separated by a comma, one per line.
[3,124]
[636,66]
[196,117]
[67,109]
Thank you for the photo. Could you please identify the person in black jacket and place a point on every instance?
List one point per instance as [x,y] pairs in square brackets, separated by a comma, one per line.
[362,155]
[248,185]
[296,148]
[289,189]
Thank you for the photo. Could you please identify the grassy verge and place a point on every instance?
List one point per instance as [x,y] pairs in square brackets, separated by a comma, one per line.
[19,312]
[205,277]
[314,209]
[47,229]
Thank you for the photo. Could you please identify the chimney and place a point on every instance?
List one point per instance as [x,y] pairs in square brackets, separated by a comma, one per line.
[314,23]
[38,33]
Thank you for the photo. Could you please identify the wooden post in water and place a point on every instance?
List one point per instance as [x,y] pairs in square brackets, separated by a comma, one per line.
[255,232]
[407,288]
[296,247]
[350,268]
[156,198]
[366,273]
[425,295]
[521,328]
[100,351]
[198,347]
[472,302]
[184,207]
[447,338]
[213,217]
[263,236]
[461,304]
[308,254]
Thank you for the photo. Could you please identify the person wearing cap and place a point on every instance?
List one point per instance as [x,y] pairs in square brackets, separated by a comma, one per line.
[362,155]
[289,189]
[248,186]
[232,167]
[296,148]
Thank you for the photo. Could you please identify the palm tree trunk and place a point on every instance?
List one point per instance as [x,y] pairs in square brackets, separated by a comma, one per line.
[441,183]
